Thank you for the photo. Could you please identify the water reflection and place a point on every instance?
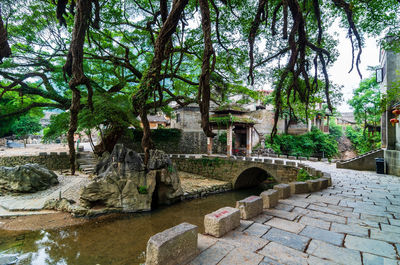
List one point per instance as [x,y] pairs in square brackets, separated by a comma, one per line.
[120,240]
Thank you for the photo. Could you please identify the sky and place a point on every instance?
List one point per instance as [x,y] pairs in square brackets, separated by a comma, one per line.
[339,70]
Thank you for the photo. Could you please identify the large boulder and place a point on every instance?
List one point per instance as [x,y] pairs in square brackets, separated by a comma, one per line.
[125,184]
[26,178]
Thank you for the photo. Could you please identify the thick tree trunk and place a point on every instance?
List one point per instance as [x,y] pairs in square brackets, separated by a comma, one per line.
[206,69]
[108,141]
[73,125]
[150,80]
[74,68]
[5,50]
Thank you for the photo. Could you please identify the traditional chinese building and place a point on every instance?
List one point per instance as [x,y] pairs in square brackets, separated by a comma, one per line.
[239,129]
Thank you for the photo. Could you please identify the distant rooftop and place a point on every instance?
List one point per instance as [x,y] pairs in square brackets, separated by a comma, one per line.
[347,116]
[157,118]
[230,108]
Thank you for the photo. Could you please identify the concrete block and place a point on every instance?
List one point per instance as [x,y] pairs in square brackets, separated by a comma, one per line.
[291,163]
[268,161]
[43,154]
[313,185]
[301,165]
[314,159]
[292,157]
[270,198]
[298,187]
[279,162]
[283,190]
[272,155]
[282,156]
[302,158]
[318,173]
[324,183]
[312,171]
[329,180]
[177,245]
[221,221]
[250,207]
[53,153]
[324,160]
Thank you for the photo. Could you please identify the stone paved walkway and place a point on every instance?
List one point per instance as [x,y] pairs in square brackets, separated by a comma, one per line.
[356,221]
[32,203]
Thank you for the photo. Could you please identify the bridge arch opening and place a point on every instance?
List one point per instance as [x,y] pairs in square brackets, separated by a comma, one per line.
[253,177]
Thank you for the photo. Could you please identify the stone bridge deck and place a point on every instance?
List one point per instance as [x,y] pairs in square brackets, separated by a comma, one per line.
[243,172]
[356,221]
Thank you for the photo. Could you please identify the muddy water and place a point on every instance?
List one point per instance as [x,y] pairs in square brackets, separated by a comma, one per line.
[118,240]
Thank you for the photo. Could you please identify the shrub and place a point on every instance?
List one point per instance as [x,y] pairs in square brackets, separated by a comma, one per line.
[363,142]
[142,190]
[303,175]
[335,130]
[314,143]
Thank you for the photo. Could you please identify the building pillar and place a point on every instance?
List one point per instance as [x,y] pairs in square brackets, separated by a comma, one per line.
[327,120]
[209,145]
[229,141]
[248,141]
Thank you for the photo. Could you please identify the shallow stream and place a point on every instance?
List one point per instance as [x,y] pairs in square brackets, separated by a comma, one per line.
[117,240]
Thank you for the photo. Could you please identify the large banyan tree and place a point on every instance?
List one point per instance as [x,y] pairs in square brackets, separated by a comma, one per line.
[77,55]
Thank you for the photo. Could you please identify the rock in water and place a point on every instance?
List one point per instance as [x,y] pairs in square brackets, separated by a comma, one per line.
[26,178]
[125,184]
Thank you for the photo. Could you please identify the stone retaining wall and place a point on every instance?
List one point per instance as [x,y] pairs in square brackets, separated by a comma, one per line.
[363,162]
[52,161]
[188,143]
[392,160]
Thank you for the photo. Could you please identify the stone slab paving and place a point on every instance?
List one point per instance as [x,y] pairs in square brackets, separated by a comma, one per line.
[356,221]
[32,203]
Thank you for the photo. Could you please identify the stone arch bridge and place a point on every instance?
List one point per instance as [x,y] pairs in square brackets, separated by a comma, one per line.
[240,172]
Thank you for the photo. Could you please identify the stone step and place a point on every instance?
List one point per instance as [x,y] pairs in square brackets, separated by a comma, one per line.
[87,166]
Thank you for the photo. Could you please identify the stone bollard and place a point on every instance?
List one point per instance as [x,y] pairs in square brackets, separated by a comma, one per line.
[312,171]
[291,163]
[273,155]
[279,162]
[176,245]
[302,158]
[221,221]
[318,173]
[298,187]
[324,183]
[268,161]
[301,165]
[283,190]
[292,157]
[328,177]
[314,159]
[270,198]
[250,207]
[313,185]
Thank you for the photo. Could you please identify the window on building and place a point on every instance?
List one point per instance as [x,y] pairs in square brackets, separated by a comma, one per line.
[178,117]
